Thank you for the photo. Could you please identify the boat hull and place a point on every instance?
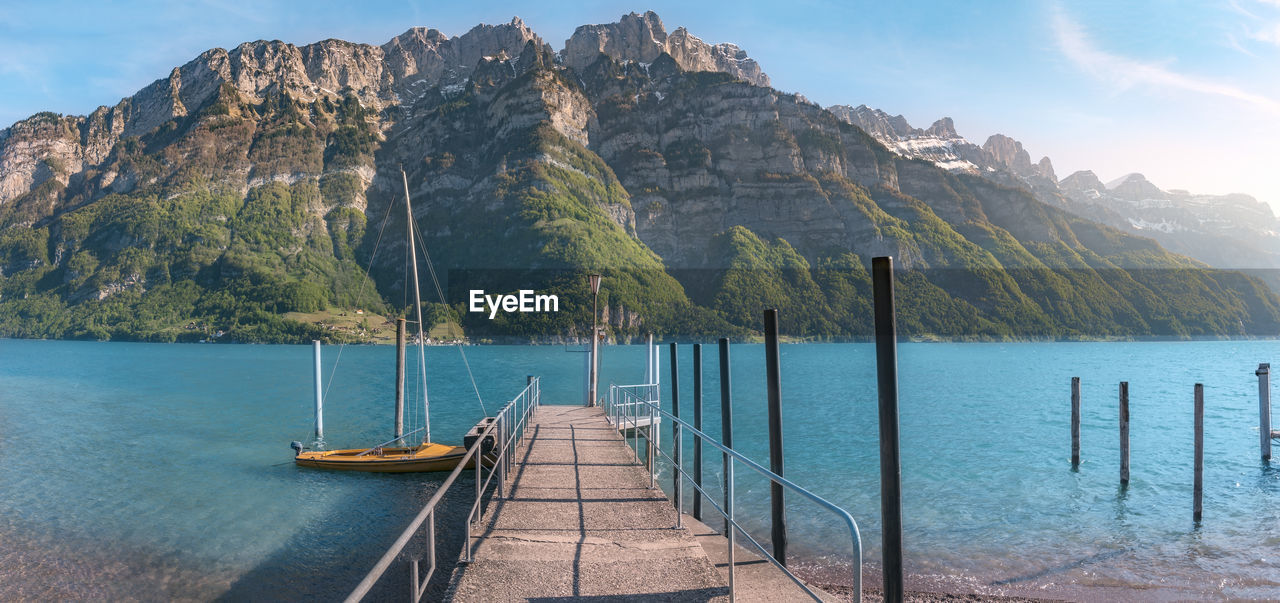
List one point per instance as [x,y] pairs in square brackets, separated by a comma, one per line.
[425,458]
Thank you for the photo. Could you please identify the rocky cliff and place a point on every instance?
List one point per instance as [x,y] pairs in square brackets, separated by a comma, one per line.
[261,180]
[642,39]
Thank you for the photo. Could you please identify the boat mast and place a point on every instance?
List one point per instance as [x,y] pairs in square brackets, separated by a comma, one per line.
[417,306]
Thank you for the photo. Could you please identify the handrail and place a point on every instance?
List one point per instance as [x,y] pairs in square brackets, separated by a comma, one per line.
[522,406]
[655,410]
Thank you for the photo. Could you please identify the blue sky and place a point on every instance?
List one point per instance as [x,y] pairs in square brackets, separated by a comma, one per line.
[1186,93]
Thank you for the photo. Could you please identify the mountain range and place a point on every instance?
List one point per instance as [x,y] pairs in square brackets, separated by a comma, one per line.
[258,181]
[1233,231]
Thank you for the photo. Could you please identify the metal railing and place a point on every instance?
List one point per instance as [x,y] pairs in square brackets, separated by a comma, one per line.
[508,428]
[638,393]
[623,405]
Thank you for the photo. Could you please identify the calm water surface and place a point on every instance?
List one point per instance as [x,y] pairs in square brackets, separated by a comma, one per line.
[163,471]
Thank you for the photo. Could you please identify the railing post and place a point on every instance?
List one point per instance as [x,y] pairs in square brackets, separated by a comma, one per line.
[679,475]
[431,541]
[890,465]
[413,580]
[675,425]
[729,519]
[502,454]
[773,383]
[653,430]
[477,459]
[697,424]
[726,425]
[530,405]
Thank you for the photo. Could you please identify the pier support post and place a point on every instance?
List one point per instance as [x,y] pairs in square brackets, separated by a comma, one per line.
[1075,422]
[675,428]
[315,352]
[773,380]
[890,464]
[697,424]
[726,428]
[1124,433]
[1198,485]
[1264,409]
[400,345]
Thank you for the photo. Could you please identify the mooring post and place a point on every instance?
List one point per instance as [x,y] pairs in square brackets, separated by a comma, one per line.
[315,352]
[675,427]
[890,464]
[400,345]
[1124,432]
[1075,422]
[697,424]
[1198,486]
[593,281]
[726,425]
[1264,408]
[773,381]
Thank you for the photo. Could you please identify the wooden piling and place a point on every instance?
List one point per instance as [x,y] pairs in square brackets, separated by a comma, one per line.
[675,429]
[1198,487]
[1264,408]
[773,385]
[1075,421]
[1124,432]
[697,424]
[400,345]
[890,464]
[726,425]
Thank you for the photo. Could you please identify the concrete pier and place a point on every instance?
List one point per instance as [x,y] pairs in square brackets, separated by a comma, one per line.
[579,520]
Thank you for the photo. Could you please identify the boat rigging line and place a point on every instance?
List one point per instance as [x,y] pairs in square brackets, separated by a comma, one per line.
[440,294]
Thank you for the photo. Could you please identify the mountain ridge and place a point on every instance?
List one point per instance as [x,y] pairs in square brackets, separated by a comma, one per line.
[1226,231]
[261,186]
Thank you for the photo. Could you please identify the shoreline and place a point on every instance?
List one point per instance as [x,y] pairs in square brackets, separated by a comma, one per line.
[638,340]
[833,576]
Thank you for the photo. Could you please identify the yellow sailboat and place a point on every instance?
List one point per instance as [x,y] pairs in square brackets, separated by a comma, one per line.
[427,456]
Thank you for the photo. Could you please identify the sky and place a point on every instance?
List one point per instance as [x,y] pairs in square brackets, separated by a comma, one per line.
[1187,93]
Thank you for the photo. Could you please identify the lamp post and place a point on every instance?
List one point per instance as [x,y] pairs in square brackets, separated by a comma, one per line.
[594,281]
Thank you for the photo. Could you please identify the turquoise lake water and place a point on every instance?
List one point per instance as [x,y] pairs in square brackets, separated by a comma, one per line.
[163,471]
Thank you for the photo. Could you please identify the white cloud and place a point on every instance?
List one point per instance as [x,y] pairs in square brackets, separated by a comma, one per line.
[1236,45]
[1126,72]
[1260,29]
[1269,34]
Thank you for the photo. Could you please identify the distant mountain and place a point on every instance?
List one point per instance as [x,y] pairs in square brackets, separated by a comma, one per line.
[1230,231]
[1226,231]
[255,182]
[939,144]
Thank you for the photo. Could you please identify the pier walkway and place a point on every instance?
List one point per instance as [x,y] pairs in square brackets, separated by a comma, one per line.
[579,520]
